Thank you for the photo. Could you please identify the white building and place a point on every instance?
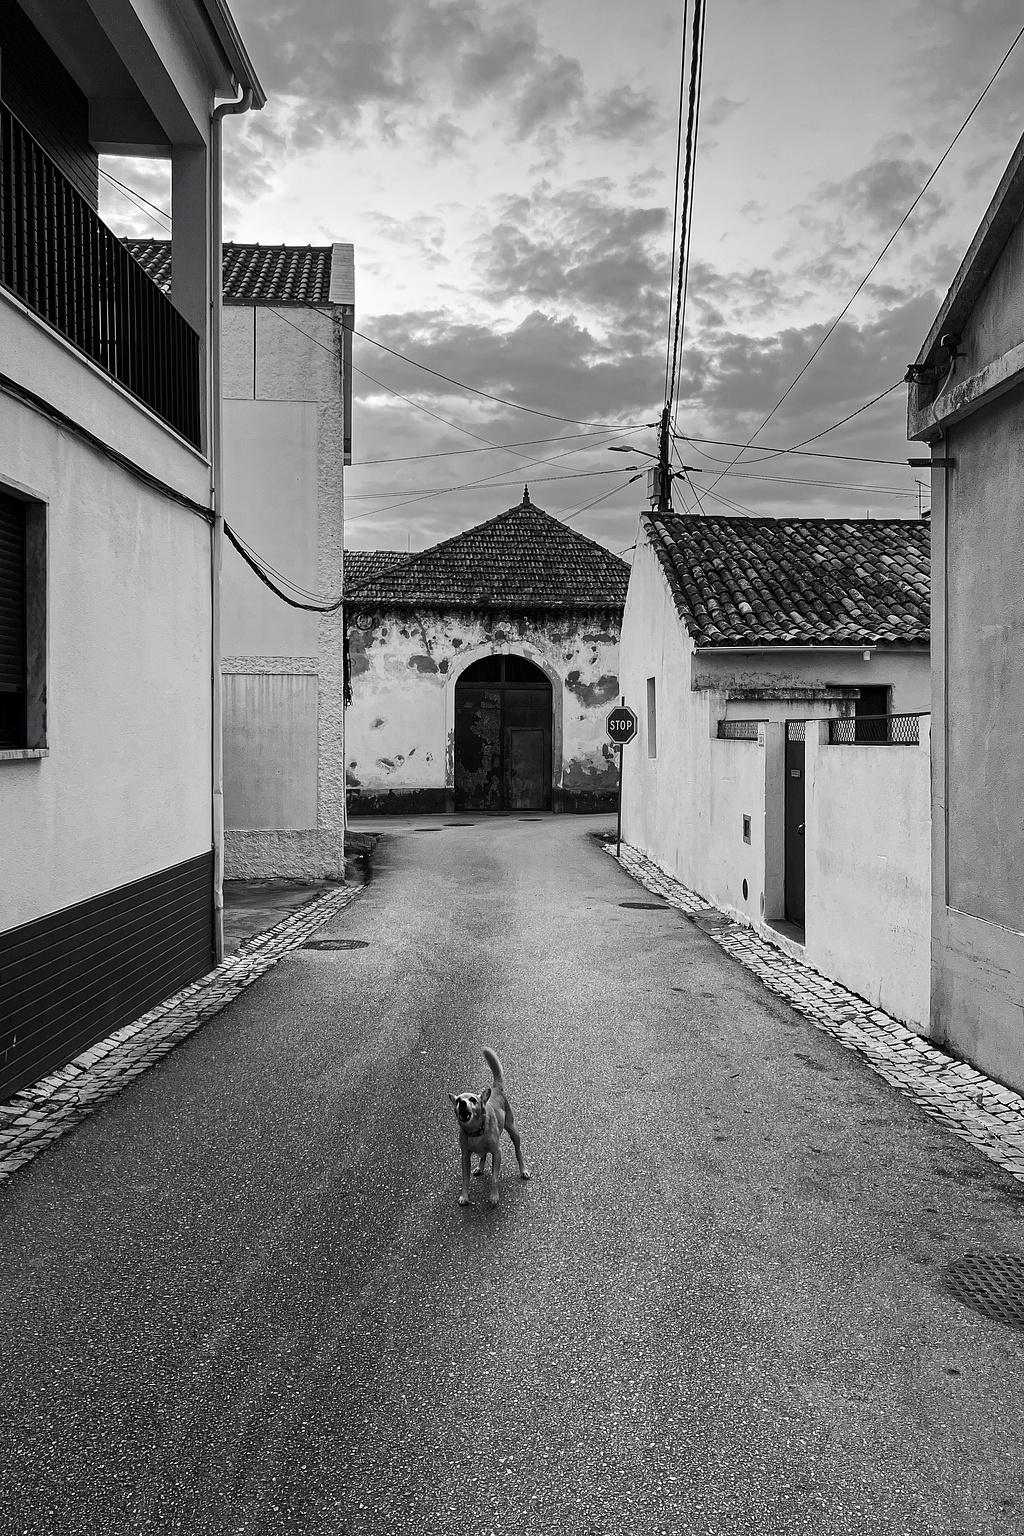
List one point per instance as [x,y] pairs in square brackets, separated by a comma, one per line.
[965,404]
[287,352]
[742,639]
[109,772]
[481,671]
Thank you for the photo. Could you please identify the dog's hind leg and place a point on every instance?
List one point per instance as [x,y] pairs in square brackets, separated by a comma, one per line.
[492,1198]
[481,1163]
[524,1172]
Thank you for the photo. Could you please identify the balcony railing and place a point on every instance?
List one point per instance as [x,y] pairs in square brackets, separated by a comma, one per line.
[62,261]
[876,730]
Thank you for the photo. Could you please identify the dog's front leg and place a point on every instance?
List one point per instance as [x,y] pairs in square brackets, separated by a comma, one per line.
[464,1197]
[495,1170]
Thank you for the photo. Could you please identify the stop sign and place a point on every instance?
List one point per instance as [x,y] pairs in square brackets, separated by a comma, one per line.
[621,725]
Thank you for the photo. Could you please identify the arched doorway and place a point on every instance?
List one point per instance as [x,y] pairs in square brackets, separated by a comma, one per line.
[503,736]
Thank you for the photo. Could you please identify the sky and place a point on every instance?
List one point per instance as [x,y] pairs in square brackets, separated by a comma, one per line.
[505,172]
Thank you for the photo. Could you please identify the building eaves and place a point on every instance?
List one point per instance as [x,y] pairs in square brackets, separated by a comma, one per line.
[984,251]
[235,51]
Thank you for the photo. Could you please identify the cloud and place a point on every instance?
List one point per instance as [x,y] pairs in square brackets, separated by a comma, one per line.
[719,112]
[622,114]
[878,195]
[578,249]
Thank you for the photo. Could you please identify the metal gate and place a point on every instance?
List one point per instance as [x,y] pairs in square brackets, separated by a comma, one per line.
[795,735]
[503,737]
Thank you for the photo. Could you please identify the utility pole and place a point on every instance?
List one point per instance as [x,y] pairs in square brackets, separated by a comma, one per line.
[664,466]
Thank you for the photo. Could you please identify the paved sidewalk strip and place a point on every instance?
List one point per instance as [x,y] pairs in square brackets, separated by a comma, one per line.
[961,1098]
[45,1110]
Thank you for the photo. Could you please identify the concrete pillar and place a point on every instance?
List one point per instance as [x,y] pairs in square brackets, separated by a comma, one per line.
[190,246]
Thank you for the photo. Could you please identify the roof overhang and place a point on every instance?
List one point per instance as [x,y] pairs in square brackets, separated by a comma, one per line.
[235,51]
[804,646]
[928,415]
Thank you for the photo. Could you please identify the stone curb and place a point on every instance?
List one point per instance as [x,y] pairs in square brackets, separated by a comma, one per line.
[965,1101]
[46,1109]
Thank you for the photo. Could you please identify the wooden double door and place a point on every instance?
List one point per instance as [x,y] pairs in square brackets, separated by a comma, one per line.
[503,737]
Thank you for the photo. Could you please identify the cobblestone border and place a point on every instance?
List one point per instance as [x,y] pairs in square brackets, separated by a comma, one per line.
[45,1110]
[965,1101]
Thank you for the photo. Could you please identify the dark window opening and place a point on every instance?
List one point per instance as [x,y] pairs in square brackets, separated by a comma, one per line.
[504,669]
[12,624]
[22,625]
[870,711]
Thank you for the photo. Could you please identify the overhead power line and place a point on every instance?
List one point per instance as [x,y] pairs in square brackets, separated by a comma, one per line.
[254,564]
[689,170]
[485,395]
[771,452]
[137,197]
[864,280]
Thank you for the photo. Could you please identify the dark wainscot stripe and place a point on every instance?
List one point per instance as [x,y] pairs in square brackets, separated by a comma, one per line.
[71,978]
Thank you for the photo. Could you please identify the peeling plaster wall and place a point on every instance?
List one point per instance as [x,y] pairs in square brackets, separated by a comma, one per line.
[284,494]
[400,723]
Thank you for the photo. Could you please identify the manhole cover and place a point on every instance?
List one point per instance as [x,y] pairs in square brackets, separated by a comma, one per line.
[336,944]
[647,906]
[991,1283]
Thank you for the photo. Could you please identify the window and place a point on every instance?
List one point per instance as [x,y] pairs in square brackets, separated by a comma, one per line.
[869,712]
[652,719]
[22,626]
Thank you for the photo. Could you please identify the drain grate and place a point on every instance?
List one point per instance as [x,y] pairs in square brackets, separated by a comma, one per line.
[991,1283]
[426,829]
[647,906]
[336,944]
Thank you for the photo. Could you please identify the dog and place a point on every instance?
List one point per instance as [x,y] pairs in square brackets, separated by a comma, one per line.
[481,1119]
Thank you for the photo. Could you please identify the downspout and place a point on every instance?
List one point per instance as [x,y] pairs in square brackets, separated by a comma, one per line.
[216,420]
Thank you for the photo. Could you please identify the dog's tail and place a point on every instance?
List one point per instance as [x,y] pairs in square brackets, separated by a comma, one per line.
[495,1066]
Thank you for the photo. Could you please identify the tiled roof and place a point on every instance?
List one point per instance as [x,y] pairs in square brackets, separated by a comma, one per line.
[362,565]
[800,581]
[522,559]
[253,274]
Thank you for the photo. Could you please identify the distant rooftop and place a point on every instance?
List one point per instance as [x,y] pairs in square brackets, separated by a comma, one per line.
[266,274]
[521,559]
[740,581]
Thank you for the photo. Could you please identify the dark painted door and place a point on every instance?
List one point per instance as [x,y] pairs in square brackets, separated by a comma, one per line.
[795,822]
[525,770]
[503,736]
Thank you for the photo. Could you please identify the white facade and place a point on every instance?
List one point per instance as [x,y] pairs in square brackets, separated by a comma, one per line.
[285,425]
[112,780]
[401,720]
[711,811]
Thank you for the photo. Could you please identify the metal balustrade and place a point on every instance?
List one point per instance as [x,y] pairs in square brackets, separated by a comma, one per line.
[875,730]
[62,261]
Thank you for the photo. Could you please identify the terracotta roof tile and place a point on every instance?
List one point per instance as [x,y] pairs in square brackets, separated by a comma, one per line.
[253,274]
[796,581]
[362,565]
[522,559]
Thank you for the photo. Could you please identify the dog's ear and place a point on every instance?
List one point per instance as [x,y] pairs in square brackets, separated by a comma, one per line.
[484,1097]
[453,1099]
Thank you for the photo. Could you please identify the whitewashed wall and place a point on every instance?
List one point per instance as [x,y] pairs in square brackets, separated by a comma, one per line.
[400,725]
[125,787]
[284,713]
[868,869]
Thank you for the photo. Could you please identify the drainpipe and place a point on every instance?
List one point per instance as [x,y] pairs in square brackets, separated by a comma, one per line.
[216,426]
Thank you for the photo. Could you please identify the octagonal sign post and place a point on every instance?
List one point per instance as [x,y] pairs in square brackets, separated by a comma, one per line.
[621,726]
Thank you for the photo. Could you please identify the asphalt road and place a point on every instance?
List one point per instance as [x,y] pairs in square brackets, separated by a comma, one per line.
[243,1297]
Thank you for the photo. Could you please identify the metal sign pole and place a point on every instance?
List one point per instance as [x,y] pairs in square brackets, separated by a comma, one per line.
[618,824]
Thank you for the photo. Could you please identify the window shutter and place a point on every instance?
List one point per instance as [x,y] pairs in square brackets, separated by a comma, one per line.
[12,622]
